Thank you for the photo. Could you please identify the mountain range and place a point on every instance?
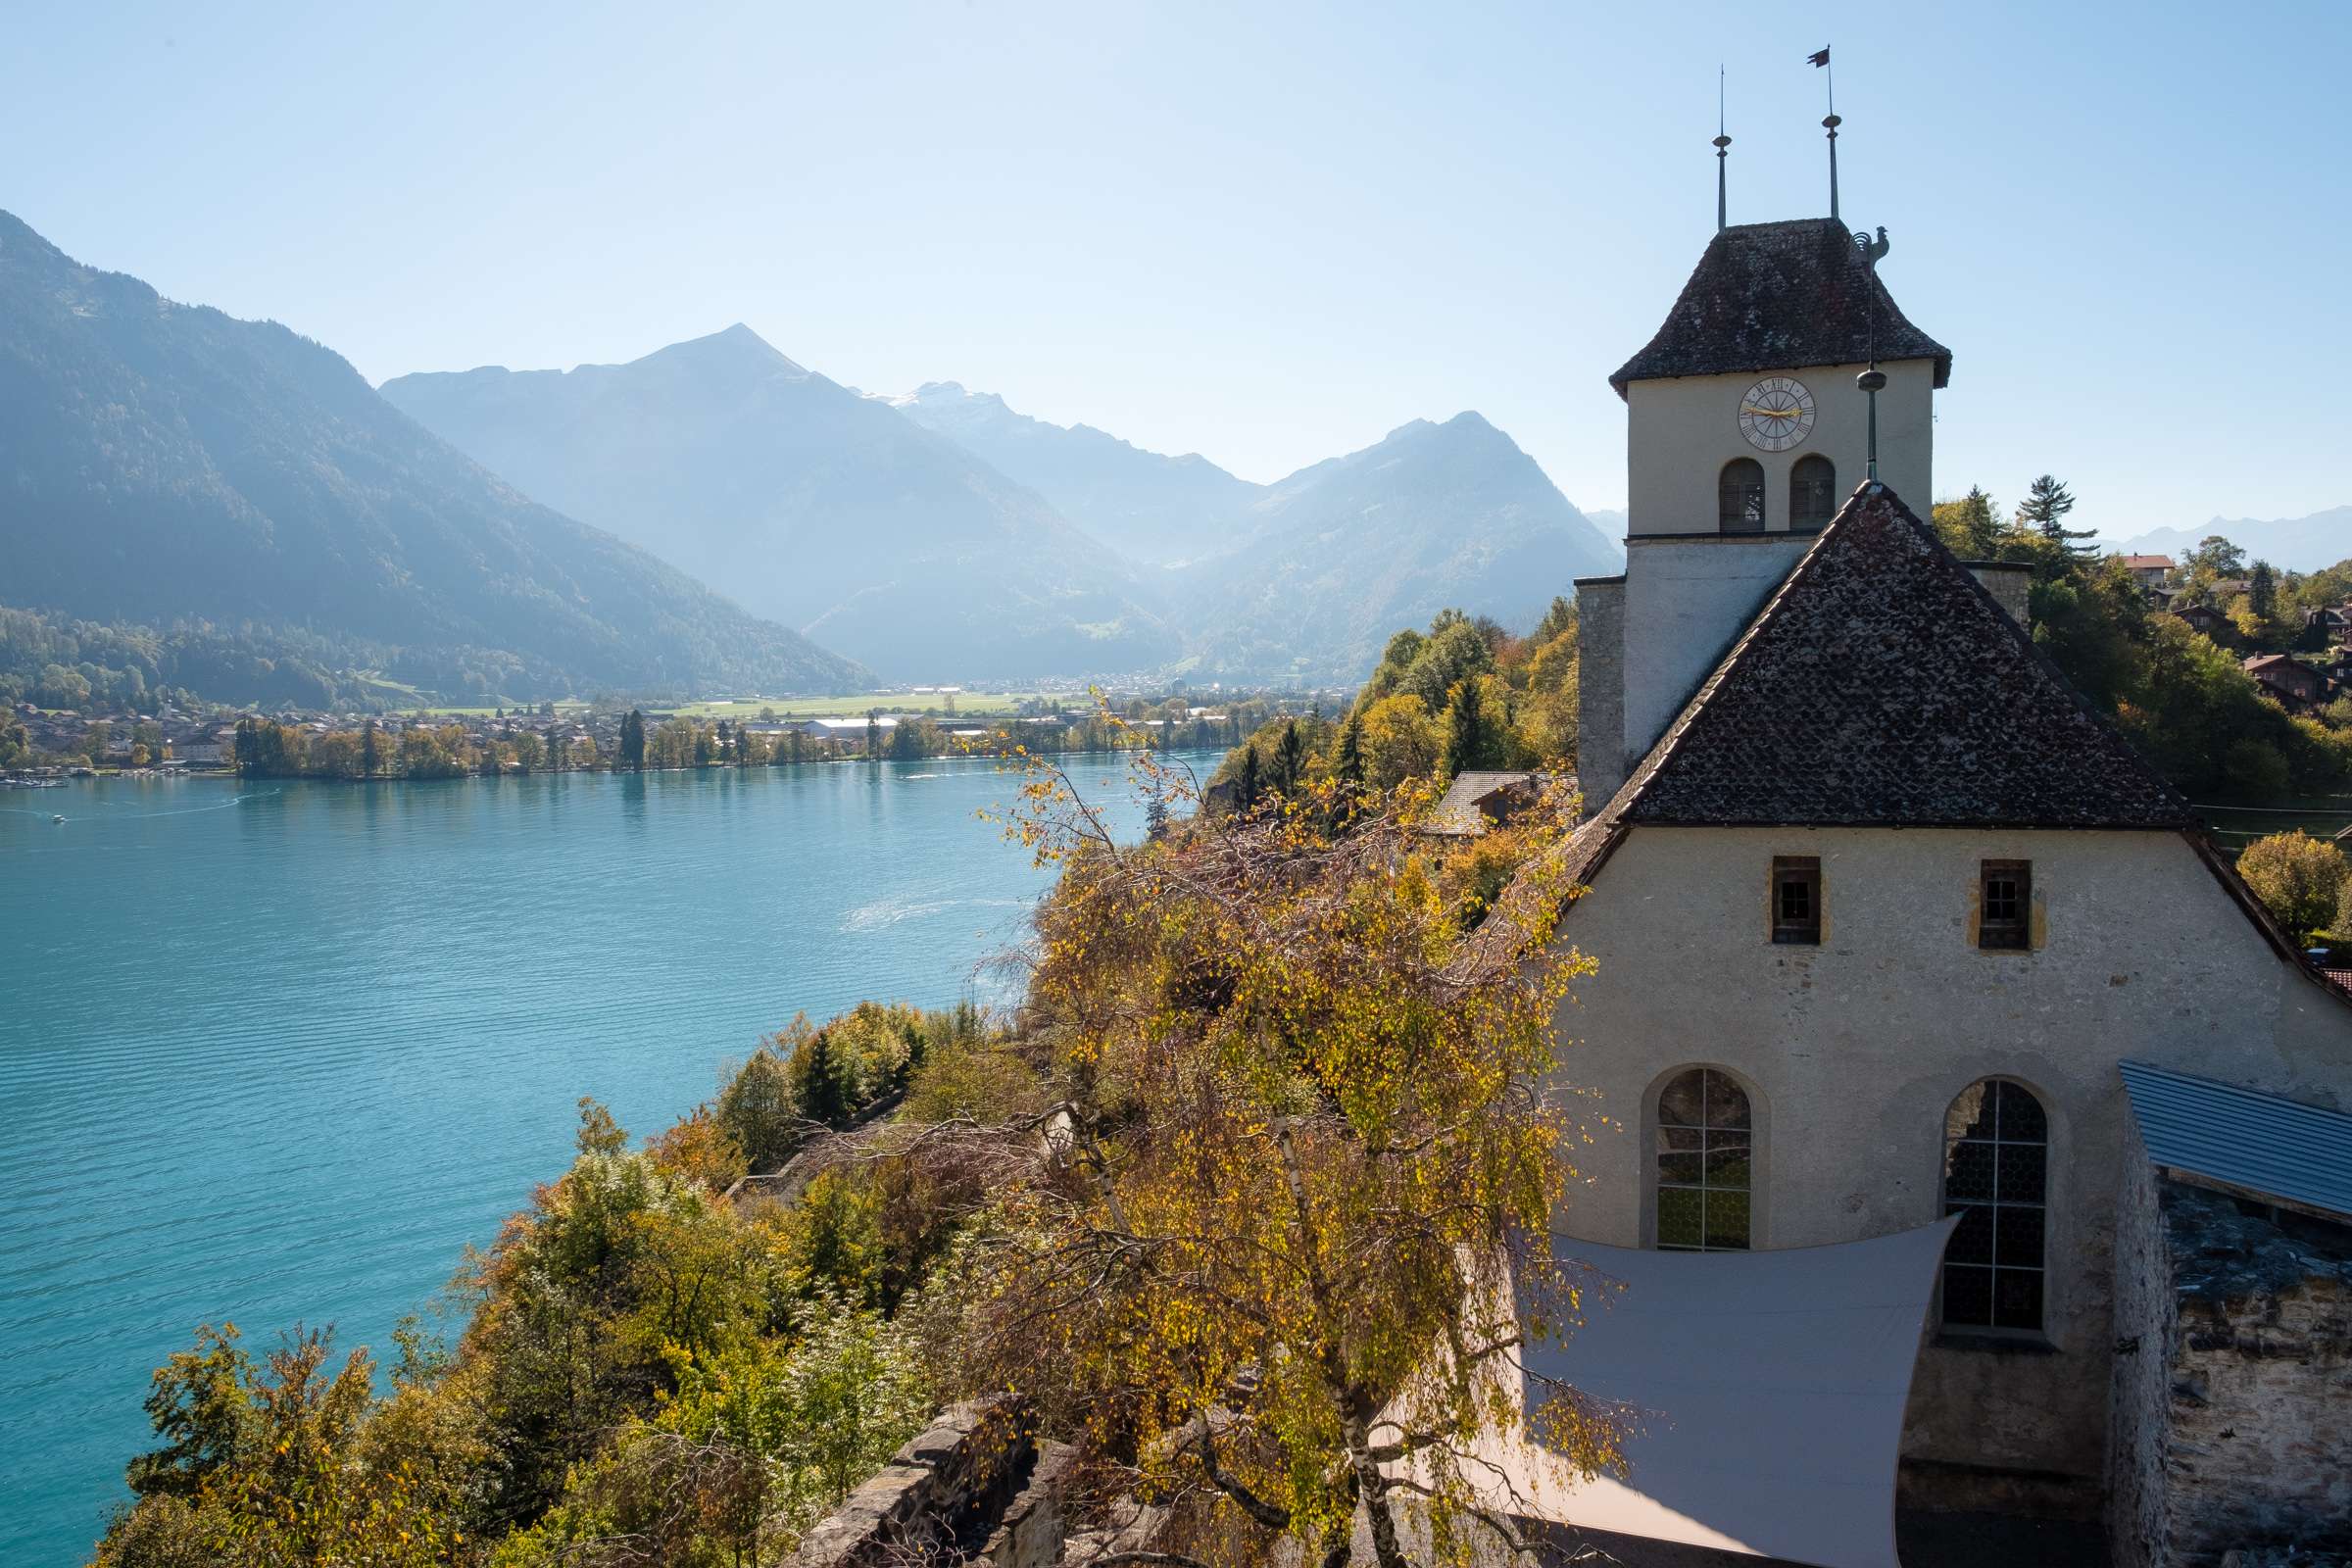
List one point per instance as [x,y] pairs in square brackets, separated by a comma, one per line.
[165,460]
[2292,543]
[533,532]
[945,533]
[812,503]
[1157,510]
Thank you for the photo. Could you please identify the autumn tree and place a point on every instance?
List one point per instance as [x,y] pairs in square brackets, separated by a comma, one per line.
[1971,526]
[2298,878]
[1295,1149]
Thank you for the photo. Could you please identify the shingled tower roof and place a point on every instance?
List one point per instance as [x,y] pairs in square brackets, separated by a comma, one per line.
[1883,686]
[1780,297]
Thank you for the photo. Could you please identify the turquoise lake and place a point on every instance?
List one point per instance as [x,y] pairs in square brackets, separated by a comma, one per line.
[275,1053]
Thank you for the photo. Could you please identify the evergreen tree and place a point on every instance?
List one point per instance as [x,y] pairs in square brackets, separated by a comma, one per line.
[1349,767]
[2262,589]
[823,1094]
[1467,737]
[873,737]
[1970,525]
[1155,817]
[2046,503]
[372,751]
[632,742]
[1290,760]
[1246,783]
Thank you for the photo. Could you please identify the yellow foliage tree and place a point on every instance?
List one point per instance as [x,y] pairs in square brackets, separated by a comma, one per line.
[1272,1240]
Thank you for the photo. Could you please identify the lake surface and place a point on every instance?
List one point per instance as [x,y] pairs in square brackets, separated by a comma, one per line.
[277,1052]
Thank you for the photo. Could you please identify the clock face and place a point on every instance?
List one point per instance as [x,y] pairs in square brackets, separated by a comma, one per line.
[1776,413]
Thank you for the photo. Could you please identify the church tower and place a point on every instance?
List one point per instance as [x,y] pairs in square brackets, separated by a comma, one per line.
[1745,431]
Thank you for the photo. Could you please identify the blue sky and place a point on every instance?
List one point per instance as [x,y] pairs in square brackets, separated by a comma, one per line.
[1265,233]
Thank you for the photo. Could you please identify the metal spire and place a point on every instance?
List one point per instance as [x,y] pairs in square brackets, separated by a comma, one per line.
[1831,123]
[1722,147]
[1872,380]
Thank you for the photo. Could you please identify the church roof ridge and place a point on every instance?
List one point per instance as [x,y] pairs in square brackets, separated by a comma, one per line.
[1883,685]
[1781,296]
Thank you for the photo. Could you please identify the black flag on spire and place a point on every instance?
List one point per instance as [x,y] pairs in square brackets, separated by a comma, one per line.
[1822,58]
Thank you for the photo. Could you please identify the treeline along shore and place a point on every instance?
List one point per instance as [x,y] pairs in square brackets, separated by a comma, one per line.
[637,741]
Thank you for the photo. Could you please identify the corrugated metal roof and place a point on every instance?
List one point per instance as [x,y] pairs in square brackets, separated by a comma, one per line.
[2243,1138]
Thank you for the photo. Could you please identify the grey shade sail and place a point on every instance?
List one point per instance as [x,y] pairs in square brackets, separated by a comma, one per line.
[2259,1144]
[1768,1390]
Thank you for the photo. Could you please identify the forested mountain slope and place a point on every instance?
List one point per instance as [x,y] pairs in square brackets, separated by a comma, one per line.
[160,460]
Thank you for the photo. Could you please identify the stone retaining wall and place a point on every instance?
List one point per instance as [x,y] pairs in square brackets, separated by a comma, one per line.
[2231,1416]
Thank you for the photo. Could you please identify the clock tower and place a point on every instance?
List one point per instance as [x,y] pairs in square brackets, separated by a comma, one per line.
[1747,426]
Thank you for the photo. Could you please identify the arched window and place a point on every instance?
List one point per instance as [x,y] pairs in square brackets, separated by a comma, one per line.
[1812,494]
[1740,499]
[1996,1172]
[1704,1169]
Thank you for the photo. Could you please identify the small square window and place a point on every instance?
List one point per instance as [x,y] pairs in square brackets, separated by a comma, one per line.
[1797,900]
[2006,908]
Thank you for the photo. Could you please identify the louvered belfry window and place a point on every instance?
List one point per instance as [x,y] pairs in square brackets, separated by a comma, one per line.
[1740,499]
[1812,494]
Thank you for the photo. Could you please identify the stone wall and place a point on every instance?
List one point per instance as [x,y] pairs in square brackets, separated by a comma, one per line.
[2231,1414]
[1599,689]
[940,1498]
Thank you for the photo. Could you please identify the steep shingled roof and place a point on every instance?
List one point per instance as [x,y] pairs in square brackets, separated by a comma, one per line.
[1883,686]
[1780,297]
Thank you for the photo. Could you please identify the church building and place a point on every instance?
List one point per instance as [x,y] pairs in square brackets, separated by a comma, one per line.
[1881,906]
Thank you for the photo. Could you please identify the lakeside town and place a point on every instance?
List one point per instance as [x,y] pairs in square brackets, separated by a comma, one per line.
[41,745]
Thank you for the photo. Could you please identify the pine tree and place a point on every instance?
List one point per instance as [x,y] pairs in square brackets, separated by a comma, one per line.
[1155,817]
[2046,503]
[1246,783]
[823,1095]
[2262,588]
[372,751]
[1466,735]
[1349,767]
[1290,760]
[632,742]
[1970,525]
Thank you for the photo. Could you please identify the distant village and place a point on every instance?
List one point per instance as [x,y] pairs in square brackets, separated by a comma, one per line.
[44,745]
[2312,669]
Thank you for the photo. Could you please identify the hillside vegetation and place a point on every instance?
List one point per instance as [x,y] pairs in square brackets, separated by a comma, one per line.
[1264,1130]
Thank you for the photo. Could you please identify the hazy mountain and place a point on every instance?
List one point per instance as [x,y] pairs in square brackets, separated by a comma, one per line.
[1354,548]
[162,461]
[1610,520]
[1162,509]
[2292,543]
[811,503]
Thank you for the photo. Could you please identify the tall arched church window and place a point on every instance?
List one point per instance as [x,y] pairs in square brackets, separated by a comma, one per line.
[1740,497]
[1996,1172]
[1812,493]
[1704,1162]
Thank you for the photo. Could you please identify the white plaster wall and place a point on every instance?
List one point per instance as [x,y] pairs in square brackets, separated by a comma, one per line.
[1856,1047]
[1681,431]
[1685,601]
